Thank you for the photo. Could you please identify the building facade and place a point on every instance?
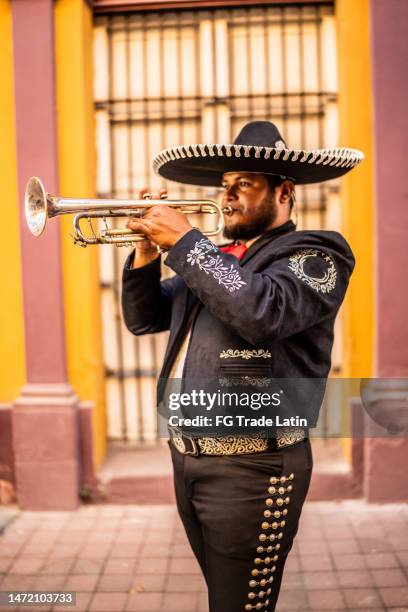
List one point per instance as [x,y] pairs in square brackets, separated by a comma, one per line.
[85,107]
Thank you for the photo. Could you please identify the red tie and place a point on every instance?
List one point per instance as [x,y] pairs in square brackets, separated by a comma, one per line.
[238,250]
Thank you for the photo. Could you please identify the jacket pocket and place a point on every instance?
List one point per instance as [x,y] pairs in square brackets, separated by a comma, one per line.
[246,376]
[242,369]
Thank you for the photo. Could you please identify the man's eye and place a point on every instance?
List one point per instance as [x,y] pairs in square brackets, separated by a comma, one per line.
[244,184]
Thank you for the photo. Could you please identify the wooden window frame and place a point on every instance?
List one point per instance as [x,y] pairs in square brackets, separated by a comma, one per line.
[116,6]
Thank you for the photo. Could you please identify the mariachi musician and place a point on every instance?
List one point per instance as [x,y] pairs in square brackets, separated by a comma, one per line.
[263,305]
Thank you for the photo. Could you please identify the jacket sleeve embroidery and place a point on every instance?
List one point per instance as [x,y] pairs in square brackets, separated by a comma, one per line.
[326,282]
[201,255]
[304,276]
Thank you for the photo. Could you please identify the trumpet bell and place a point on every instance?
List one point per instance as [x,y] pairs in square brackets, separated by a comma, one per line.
[35,204]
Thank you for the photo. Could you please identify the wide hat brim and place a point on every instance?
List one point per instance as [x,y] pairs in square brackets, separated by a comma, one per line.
[204,164]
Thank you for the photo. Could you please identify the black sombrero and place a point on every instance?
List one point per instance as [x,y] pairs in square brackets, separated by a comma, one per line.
[259,147]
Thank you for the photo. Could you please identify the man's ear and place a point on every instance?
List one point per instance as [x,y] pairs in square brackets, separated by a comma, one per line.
[286,190]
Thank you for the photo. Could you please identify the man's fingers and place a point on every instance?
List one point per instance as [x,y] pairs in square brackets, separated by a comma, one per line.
[137,225]
[162,195]
[142,192]
[130,224]
[135,222]
[159,211]
[145,245]
[156,196]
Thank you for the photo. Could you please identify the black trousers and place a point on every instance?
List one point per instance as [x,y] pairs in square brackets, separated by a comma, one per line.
[241,515]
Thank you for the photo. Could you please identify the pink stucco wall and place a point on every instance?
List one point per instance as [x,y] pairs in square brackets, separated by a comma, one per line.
[33,43]
[389,20]
[385,456]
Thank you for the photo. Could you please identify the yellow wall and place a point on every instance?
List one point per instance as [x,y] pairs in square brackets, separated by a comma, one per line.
[12,354]
[355,102]
[76,142]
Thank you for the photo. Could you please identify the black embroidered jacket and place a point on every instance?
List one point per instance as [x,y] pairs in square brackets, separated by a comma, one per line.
[270,314]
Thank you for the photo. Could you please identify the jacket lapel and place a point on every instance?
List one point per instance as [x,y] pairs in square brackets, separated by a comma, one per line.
[267,238]
[183,324]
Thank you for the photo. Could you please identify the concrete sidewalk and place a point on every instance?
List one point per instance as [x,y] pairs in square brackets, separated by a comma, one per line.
[347,556]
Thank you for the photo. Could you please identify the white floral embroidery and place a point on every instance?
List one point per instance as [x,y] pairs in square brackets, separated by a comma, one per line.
[201,256]
[323,284]
[245,353]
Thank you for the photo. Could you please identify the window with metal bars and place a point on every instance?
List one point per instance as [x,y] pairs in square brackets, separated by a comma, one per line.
[167,78]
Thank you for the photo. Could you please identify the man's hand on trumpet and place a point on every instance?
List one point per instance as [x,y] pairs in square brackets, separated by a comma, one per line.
[162,225]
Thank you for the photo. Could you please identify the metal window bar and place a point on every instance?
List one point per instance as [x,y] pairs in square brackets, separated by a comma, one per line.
[162,88]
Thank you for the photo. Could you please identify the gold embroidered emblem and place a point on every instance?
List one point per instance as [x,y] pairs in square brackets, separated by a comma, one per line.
[245,353]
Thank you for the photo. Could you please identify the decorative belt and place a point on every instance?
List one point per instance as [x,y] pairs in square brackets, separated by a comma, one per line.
[235,445]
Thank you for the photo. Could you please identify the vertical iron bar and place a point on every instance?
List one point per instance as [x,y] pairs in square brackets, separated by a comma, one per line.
[140,419]
[180,117]
[152,338]
[129,121]
[198,91]
[146,107]
[116,264]
[215,74]
[301,79]
[303,115]
[131,184]
[268,87]
[250,108]
[162,87]
[231,72]
[322,198]
[284,67]
[117,323]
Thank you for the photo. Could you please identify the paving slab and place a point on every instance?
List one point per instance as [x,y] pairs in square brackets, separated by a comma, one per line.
[136,558]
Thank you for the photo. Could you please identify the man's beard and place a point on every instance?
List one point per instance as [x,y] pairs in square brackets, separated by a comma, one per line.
[258,224]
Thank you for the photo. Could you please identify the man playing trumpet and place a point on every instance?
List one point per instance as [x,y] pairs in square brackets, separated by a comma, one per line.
[263,306]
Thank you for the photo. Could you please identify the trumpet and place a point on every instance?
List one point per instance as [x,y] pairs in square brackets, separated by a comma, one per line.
[40,206]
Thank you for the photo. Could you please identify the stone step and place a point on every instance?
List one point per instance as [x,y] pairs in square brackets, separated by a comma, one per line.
[143,474]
